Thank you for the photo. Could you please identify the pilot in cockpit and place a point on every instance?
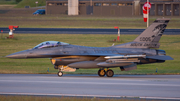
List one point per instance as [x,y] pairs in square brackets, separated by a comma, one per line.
[48,44]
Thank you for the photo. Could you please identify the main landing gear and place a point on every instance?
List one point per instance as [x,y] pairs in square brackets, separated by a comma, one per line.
[103,72]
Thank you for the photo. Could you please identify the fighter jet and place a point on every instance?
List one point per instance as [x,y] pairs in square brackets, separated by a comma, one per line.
[67,57]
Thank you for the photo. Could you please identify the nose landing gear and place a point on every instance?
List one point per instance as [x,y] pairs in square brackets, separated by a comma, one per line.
[60,73]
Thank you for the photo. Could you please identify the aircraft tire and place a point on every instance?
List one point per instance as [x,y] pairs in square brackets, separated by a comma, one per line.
[60,73]
[101,72]
[109,73]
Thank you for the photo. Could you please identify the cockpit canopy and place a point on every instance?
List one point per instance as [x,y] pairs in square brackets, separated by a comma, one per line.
[48,44]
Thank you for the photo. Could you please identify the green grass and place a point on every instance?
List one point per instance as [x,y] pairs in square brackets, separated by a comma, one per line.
[64,21]
[169,43]
[30,3]
[49,98]
[7,2]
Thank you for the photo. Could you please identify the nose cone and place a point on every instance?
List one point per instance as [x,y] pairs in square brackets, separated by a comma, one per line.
[18,55]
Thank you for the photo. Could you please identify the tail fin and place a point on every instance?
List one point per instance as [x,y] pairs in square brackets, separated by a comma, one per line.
[154,32]
[150,37]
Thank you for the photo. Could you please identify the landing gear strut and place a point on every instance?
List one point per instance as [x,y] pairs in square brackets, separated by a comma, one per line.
[60,73]
[103,72]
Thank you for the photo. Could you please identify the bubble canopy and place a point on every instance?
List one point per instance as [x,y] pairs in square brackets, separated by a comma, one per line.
[48,44]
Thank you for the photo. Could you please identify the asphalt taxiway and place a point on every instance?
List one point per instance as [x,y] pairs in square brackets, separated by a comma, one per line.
[141,86]
[82,31]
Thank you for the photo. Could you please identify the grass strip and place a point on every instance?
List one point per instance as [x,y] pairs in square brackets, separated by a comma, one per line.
[55,98]
[65,21]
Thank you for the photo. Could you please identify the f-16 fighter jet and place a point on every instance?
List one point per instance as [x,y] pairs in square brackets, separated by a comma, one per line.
[68,58]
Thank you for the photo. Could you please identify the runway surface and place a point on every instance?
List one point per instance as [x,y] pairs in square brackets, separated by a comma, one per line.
[142,86]
[83,31]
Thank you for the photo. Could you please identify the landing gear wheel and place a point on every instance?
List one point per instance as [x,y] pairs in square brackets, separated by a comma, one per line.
[60,73]
[109,73]
[101,72]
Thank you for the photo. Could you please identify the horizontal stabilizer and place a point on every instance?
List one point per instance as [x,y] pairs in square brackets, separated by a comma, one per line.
[157,57]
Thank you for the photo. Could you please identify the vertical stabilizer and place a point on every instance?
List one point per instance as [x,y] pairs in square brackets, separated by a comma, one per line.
[150,37]
[154,32]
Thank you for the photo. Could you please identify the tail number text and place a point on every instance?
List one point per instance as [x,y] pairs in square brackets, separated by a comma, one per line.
[145,39]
